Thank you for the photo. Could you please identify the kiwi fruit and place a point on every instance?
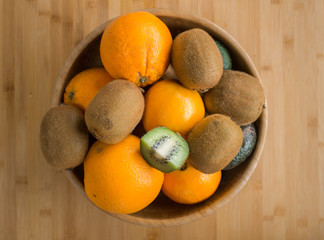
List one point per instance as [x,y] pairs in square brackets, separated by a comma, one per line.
[64,137]
[214,142]
[164,149]
[196,60]
[237,95]
[249,141]
[227,60]
[115,111]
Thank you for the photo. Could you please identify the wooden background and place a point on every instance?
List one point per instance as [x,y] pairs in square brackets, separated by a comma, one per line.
[284,199]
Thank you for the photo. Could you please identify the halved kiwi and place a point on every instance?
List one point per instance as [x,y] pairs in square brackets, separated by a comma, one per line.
[164,149]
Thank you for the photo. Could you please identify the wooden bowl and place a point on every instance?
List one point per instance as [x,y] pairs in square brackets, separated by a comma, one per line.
[164,212]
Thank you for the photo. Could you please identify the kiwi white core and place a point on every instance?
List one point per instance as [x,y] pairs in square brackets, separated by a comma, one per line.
[164,148]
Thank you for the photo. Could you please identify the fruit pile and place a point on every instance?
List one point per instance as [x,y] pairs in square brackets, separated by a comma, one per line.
[181,149]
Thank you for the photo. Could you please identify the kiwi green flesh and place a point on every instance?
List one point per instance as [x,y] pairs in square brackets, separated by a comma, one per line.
[249,142]
[164,150]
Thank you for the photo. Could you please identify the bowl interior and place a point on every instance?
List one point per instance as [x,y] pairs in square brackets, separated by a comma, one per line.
[163,211]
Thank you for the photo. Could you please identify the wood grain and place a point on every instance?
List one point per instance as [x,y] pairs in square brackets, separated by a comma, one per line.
[284,199]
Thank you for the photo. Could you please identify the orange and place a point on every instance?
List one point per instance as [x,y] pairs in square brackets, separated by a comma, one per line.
[190,186]
[117,178]
[169,104]
[136,47]
[84,86]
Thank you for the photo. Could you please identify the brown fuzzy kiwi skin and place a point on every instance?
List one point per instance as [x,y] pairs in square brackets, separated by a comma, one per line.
[64,137]
[115,111]
[238,95]
[214,142]
[197,60]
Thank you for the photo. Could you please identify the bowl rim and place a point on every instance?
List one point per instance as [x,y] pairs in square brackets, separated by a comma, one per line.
[238,185]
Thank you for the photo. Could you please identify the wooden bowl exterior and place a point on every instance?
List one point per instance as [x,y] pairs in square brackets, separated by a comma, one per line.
[164,212]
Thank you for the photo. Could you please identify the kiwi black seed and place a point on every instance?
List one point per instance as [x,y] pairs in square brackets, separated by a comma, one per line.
[164,149]
[115,111]
[64,137]
[197,60]
[238,95]
[214,142]
[249,141]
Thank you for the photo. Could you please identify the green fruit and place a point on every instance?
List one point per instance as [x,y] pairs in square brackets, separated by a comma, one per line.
[115,111]
[64,137]
[249,141]
[214,142]
[227,60]
[196,60]
[164,149]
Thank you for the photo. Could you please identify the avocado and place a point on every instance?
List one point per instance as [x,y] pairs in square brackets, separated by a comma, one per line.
[249,141]
[227,60]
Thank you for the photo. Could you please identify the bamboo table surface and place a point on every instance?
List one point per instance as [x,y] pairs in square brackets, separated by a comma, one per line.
[284,199]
